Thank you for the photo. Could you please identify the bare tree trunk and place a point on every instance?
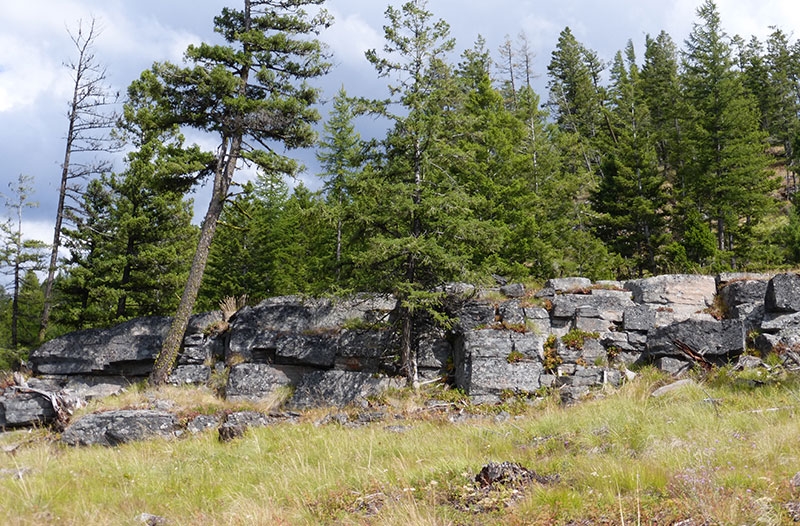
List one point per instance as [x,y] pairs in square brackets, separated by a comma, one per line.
[86,123]
[15,307]
[53,265]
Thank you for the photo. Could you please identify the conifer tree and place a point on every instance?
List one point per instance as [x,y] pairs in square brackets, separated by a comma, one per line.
[576,103]
[665,104]
[631,195]
[727,175]
[417,219]
[252,94]
[272,241]
[576,97]
[341,154]
[783,103]
[19,256]
[132,238]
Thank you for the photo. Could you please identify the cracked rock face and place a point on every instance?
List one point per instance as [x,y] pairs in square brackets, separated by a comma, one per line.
[333,352]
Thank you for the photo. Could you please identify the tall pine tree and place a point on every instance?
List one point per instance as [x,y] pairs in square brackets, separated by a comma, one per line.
[631,194]
[252,94]
[726,176]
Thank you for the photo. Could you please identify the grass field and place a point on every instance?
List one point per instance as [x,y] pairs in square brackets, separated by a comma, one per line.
[721,451]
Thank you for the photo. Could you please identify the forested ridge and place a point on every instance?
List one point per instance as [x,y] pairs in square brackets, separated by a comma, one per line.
[679,157]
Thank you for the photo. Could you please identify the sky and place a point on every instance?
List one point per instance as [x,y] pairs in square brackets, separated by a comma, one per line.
[35,86]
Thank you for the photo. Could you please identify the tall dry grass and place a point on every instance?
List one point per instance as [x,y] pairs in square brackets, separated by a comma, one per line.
[719,452]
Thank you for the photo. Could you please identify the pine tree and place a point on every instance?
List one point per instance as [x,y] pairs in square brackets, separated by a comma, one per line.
[727,175]
[19,255]
[253,95]
[417,219]
[133,234]
[86,294]
[576,103]
[576,98]
[273,241]
[631,194]
[665,103]
[783,103]
[341,155]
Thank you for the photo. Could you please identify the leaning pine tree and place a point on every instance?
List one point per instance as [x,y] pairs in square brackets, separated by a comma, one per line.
[251,93]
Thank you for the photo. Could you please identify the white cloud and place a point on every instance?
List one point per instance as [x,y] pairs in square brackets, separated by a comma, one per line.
[755,18]
[349,37]
[27,73]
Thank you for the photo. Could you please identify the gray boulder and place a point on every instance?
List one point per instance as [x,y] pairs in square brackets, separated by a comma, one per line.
[561,285]
[674,289]
[190,375]
[675,297]
[204,339]
[716,341]
[366,350]
[297,314]
[776,323]
[301,331]
[112,428]
[741,297]
[639,318]
[783,293]
[513,290]
[256,381]
[476,314]
[127,349]
[490,363]
[313,350]
[607,307]
[25,410]
[338,388]
[202,423]
[434,353]
[673,366]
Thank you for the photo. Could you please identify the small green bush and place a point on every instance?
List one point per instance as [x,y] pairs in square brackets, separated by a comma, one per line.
[551,357]
[576,338]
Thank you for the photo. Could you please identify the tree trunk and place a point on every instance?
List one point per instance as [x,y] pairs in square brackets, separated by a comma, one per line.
[15,307]
[86,119]
[226,165]
[229,152]
[126,278]
[62,194]
[408,356]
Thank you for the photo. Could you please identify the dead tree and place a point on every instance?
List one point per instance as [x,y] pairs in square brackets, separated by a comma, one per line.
[90,118]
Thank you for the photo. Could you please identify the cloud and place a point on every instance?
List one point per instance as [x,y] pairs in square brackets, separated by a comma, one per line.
[27,73]
[755,18]
[349,37]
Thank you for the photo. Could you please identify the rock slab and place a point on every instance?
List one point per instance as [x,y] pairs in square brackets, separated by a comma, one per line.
[112,428]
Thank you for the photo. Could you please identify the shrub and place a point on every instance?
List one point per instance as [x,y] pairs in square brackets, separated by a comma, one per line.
[551,357]
[576,338]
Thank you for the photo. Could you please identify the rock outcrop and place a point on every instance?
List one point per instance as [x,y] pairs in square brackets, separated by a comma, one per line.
[572,335]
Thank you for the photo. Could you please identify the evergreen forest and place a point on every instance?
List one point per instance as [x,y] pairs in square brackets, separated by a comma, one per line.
[681,157]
